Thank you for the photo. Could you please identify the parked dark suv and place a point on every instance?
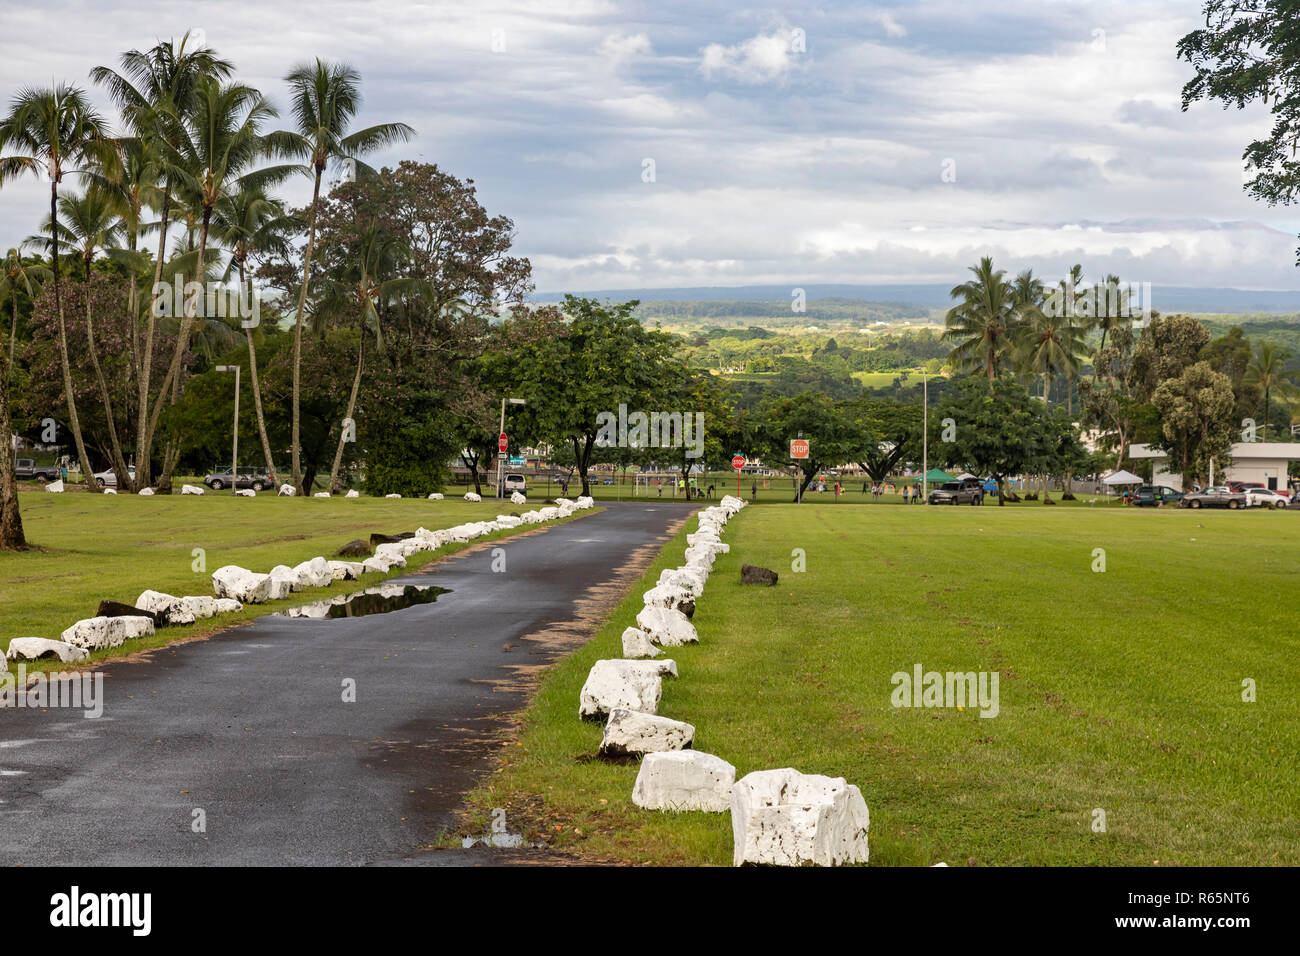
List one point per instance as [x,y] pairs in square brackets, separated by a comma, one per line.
[969,491]
[1157,495]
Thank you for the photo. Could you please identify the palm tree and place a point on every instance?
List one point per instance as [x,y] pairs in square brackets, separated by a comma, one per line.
[326,98]
[155,90]
[53,131]
[90,223]
[1267,371]
[365,283]
[1048,343]
[212,156]
[250,223]
[18,276]
[985,320]
[133,188]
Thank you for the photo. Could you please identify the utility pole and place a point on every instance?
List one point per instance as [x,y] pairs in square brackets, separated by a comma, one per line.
[925,436]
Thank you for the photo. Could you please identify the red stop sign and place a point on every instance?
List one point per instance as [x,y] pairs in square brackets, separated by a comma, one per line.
[738,462]
[502,444]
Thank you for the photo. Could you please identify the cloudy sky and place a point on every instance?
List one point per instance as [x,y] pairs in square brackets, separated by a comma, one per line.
[806,143]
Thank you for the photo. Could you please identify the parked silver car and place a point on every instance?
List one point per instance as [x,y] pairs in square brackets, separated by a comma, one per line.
[108,477]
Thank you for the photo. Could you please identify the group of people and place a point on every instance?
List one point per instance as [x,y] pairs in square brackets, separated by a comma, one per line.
[911,493]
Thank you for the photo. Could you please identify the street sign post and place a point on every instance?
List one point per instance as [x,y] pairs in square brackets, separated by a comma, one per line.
[799,451]
[738,462]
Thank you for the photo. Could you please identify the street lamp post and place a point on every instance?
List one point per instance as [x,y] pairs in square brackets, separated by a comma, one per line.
[500,454]
[925,437]
[234,445]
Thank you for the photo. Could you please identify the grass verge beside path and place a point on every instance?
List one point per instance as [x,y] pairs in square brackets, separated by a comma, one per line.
[1119,690]
[87,548]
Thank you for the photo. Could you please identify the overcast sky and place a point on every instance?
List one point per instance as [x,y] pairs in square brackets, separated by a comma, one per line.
[805,143]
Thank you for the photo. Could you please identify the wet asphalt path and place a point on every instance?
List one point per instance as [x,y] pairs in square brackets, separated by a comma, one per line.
[250,727]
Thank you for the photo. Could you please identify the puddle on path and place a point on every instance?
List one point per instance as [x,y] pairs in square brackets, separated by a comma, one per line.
[381,599]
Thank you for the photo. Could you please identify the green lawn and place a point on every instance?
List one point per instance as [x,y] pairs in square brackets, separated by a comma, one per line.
[1119,690]
[90,547]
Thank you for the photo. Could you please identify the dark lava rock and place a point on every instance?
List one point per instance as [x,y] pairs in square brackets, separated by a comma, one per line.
[753,574]
[355,548]
[377,539]
[687,608]
[118,609]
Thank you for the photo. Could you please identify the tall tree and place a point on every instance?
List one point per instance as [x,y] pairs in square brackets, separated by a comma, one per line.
[250,223]
[1195,419]
[325,100]
[1266,371]
[55,131]
[984,322]
[155,91]
[90,224]
[214,155]
[361,287]
[17,278]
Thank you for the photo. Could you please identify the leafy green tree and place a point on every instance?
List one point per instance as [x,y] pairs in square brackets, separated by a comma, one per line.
[1195,419]
[1248,52]
[601,358]
[999,431]
[893,430]
[833,436]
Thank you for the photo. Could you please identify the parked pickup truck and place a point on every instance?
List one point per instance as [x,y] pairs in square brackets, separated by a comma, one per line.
[958,492]
[26,469]
[1217,497]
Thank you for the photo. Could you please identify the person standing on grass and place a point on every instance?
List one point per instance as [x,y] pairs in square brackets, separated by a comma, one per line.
[837,491]
[753,490]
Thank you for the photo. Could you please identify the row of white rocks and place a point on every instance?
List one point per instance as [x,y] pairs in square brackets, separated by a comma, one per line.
[252,587]
[235,586]
[780,817]
[285,491]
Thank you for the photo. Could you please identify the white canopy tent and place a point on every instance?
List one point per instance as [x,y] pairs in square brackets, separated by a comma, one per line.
[1122,478]
[1119,479]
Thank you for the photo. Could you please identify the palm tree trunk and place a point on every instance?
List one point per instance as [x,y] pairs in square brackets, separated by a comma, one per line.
[11,521]
[73,422]
[297,336]
[352,404]
[13,338]
[257,393]
[144,424]
[173,379]
[119,463]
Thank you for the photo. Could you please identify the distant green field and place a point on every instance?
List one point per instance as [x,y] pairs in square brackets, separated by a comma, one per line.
[1120,690]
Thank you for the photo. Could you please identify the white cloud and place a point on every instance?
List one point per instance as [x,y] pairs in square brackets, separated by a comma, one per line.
[760,59]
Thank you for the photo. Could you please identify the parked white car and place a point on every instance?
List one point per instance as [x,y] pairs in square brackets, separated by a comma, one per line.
[1266,498]
[516,483]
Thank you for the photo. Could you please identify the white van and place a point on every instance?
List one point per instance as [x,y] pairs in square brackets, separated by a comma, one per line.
[516,483]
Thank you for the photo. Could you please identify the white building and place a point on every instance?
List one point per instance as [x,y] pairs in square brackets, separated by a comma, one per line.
[1263,461]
